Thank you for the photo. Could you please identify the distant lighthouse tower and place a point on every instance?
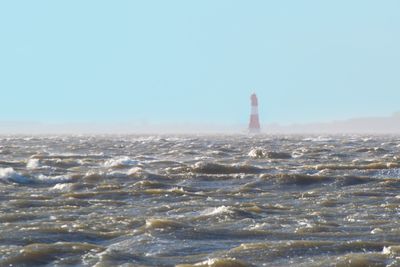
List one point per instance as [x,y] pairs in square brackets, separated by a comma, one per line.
[254,125]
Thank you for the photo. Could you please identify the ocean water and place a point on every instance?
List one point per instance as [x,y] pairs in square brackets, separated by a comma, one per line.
[200,201]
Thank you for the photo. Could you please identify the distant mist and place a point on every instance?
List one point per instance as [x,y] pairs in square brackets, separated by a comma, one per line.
[367,125]
[37,128]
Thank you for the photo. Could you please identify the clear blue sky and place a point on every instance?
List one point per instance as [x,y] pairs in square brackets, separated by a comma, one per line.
[198,61]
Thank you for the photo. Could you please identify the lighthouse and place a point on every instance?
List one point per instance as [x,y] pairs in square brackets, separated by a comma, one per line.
[254,125]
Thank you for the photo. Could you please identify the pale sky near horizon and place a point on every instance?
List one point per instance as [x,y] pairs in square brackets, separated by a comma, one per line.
[198,61]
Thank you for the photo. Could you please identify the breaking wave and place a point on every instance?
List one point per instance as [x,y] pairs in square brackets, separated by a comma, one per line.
[10,175]
[217,262]
[259,153]
[120,162]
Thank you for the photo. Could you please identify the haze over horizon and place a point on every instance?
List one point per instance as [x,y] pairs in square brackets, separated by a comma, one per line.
[363,125]
[196,63]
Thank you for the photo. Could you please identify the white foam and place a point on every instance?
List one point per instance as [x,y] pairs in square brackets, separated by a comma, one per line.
[376,231]
[257,153]
[135,170]
[217,262]
[53,179]
[62,187]
[7,173]
[32,164]
[318,139]
[386,250]
[11,175]
[216,211]
[120,162]
[297,154]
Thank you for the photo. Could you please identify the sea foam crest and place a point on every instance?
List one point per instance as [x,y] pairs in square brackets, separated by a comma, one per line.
[32,164]
[62,187]
[9,174]
[120,162]
[260,153]
[257,153]
[53,179]
[217,211]
[233,262]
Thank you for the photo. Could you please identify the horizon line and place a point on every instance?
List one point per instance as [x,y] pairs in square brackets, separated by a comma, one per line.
[359,125]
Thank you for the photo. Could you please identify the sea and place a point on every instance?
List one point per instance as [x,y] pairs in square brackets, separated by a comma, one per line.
[200,200]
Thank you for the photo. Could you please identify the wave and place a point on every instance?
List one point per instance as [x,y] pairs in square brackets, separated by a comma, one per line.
[120,162]
[63,163]
[217,262]
[228,212]
[10,175]
[62,187]
[163,224]
[307,179]
[32,164]
[161,191]
[43,254]
[215,168]
[297,179]
[53,179]
[354,253]
[318,139]
[259,153]
[12,163]
[47,155]
[370,166]
[391,250]
[217,211]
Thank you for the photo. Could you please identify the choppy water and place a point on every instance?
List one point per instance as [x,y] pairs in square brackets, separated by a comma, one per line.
[200,201]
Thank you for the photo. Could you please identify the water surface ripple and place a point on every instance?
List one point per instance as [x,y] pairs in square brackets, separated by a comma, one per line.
[200,201]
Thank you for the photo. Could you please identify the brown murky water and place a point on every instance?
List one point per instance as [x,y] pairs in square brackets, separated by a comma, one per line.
[200,201]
